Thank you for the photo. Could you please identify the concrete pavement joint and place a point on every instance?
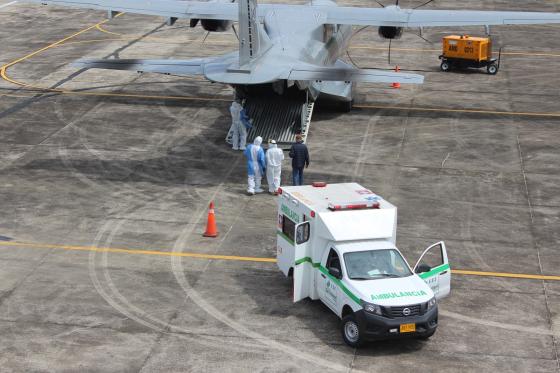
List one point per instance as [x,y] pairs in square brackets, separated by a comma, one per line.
[536,246]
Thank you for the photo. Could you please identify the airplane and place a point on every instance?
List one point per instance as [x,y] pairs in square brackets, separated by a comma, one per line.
[282,46]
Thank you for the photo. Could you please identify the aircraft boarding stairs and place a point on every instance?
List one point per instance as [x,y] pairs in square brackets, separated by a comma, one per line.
[278,118]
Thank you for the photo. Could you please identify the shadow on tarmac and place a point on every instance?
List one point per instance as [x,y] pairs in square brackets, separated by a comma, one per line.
[272,294]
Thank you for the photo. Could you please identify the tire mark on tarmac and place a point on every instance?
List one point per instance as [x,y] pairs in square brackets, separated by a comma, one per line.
[495,324]
[191,291]
[196,297]
[8,4]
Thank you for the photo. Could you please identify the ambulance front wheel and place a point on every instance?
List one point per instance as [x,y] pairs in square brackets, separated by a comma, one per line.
[351,331]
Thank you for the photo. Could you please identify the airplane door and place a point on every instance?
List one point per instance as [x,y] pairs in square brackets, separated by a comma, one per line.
[303,267]
[433,268]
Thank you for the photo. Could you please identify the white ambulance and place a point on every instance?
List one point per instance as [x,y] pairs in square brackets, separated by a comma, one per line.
[337,242]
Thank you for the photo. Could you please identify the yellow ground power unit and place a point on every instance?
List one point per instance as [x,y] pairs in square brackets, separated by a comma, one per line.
[464,51]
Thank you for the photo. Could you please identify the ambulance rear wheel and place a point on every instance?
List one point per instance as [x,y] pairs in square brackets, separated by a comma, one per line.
[351,331]
[445,66]
[492,69]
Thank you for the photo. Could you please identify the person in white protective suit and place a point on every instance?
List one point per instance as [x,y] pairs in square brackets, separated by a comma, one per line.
[229,136]
[239,136]
[256,166]
[274,158]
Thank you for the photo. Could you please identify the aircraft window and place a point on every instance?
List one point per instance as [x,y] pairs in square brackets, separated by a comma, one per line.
[288,228]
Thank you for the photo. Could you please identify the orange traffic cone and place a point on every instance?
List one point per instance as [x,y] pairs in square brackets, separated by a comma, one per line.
[396,84]
[211,229]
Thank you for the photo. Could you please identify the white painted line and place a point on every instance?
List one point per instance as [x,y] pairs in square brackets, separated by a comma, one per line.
[10,3]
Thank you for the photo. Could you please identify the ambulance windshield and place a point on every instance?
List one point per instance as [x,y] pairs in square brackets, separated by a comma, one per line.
[375,264]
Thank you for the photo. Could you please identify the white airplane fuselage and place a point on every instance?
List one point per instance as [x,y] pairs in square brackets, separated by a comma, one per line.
[308,41]
[319,45]
[283,45]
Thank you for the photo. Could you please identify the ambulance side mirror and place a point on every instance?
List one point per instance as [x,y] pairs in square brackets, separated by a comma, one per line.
[302,233]
[423,268]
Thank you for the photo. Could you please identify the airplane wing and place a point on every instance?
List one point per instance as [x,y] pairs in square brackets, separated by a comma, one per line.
[170,67]
[388,16]
[164,8]
[351,75]
[397,17]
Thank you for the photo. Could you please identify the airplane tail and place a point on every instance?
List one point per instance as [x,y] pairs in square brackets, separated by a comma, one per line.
[253,40]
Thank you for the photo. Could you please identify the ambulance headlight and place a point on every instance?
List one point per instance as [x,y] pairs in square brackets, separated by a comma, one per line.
[372,308]
[431,303]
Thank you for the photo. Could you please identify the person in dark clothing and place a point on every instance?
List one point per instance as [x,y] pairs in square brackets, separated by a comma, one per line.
[300,159]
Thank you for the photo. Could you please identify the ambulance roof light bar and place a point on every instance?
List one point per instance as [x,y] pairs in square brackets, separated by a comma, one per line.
[354,206]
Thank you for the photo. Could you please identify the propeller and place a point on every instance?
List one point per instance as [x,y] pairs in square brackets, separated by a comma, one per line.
[420,31]
[419,34]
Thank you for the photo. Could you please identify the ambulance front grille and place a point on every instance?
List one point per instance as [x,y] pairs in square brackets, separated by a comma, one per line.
[399,311]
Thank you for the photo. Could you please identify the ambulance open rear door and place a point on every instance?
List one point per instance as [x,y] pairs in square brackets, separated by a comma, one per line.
[303,266]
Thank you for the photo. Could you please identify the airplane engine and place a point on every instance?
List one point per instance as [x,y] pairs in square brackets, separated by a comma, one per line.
[213,25]
[390,32]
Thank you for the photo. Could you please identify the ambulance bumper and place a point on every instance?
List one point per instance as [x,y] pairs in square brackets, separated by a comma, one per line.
[374,327]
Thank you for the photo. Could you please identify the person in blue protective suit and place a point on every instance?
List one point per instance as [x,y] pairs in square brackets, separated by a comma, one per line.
[256,166]
[239,133]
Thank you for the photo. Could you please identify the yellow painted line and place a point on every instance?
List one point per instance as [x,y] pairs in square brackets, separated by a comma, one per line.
[5,67]
[100,28]
[237,258]
[503,274]
[97,26]
[528,53]
[163,40]
[52,45]
[473,111]
[12,95]
[137,252]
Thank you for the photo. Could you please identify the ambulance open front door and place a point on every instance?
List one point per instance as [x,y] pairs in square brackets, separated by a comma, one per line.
[433,268]
[303,267]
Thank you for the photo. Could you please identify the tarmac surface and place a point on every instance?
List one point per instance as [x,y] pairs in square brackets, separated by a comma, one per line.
[129,162]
